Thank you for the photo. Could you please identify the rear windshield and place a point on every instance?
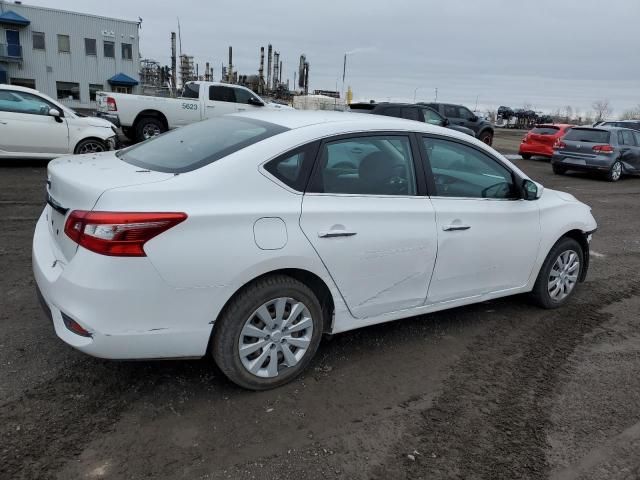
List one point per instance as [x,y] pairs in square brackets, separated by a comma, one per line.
[198,144]
[545,130]
[588,135]
[362,107]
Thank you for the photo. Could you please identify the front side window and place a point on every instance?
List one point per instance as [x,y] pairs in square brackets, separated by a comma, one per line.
[191,90]
[64,44]
[109,49]
[220,93]
[465,113]
[22,102]
[431,116]
[377,165]
[90,46]
[243,96]
[38,41]
[68,91]
[127,51]
[199,144]
[451,111]
[93,89]
[462,171]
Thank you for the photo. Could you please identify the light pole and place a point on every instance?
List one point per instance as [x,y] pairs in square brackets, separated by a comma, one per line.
[415,91]
[436,100]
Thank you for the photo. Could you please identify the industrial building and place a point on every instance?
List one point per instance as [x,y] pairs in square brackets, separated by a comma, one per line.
[67,55]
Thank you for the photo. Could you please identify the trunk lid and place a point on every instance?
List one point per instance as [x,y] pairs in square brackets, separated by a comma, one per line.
[544,134]
[76,183]
[579,142]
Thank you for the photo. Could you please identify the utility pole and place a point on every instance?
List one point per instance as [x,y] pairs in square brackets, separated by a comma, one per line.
[436,94]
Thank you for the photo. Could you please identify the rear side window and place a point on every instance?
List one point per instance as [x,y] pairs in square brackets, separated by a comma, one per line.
[545,130]
[293,168]
[220,93]
[390,112]
[198,144]
[625,137]
[588,135]
[377,165]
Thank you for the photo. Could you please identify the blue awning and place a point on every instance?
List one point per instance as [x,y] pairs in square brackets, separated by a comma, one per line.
[122,80]
[12,18]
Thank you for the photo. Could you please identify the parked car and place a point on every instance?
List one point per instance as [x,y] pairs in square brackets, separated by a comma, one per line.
[632,124]
[32,125]
[612,151]
[539,140]
[420,113]
[460,115]
[142,117]
[246,237]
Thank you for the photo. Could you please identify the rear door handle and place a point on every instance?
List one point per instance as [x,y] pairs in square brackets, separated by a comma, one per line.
[451,228]
[2,123]
[336,233]
[241,109]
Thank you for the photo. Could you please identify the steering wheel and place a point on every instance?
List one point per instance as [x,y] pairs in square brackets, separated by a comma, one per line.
[502,190]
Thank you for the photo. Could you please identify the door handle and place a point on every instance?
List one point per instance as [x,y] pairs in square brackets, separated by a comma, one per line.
[2,123]
[241,109]
[211,106]
[451,228]
[336,233]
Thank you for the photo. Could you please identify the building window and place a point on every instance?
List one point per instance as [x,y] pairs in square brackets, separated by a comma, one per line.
[64,45]
[90,46]
[68,91]
[38,41]
[109,49]
[24,82]
[122,89]
[127,51]
[93,89]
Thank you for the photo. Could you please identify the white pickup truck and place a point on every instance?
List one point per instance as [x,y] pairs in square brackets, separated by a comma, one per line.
[142,117]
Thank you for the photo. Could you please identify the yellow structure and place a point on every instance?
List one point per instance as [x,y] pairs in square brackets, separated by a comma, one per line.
[349,95]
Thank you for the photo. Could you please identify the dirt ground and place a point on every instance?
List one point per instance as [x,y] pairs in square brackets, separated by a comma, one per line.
[498,390]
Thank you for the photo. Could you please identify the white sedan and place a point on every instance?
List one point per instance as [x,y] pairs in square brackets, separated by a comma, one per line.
[247,237]
[33,125]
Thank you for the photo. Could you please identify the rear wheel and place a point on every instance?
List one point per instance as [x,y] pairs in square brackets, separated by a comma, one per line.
[526,156]
[615,172]
[559,274]
[558,170]
[148,127]
[269,333]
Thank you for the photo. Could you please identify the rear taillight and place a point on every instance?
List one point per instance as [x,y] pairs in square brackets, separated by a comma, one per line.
[116,233]
[111,104]
[525,139]
[603,149]
[559,145]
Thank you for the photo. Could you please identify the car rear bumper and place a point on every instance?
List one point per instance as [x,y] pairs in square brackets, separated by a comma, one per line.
[129,311]
[600,163]
[533,149]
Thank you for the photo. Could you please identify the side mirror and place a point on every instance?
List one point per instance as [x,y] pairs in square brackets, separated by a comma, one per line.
[445,122]
[54,112]
[531,190]
[255,101]
[473,119]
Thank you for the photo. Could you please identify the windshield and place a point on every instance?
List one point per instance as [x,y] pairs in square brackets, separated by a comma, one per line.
[198,144]
[587,135]
[545,130]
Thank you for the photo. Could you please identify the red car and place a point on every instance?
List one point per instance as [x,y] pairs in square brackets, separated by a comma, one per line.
[540,140]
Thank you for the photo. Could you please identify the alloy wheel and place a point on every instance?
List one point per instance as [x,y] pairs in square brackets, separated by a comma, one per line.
[91,147]
[616,171]
[150,130]
[276,336]
[564,275]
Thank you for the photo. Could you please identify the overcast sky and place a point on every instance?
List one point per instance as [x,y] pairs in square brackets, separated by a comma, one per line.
[546,53]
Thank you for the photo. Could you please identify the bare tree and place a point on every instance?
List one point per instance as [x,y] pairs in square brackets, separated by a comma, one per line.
[568,113]
[602,109]
[588,118]
[632,114]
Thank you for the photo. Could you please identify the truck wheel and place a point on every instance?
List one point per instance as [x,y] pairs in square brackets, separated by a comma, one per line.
[148,127]
[486,137]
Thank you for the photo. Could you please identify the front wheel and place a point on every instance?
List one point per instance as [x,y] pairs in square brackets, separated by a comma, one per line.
[486,137]
[90,145]
[149,127]
[559,274]
[268,334]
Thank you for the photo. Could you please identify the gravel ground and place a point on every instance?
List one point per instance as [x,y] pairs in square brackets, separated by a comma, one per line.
[499,390]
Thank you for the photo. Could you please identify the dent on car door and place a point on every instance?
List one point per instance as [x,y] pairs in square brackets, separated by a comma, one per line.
[365,217]
[27,127]
[488,237]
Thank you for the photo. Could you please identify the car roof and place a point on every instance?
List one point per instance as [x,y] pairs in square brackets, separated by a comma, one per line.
[17,88]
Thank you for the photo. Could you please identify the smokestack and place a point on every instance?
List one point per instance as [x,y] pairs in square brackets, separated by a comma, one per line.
[306,78]
[174,80]
[280,79]
[206,72]
[276,66]
[269,60]
[261,72]
[303,59]
[230,69]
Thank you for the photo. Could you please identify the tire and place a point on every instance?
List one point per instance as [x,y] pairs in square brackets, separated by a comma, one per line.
[90,145]
[543,288]
[242,312]
[486,137]
[148,127]
[558,170]
[615,172]
[526,156]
